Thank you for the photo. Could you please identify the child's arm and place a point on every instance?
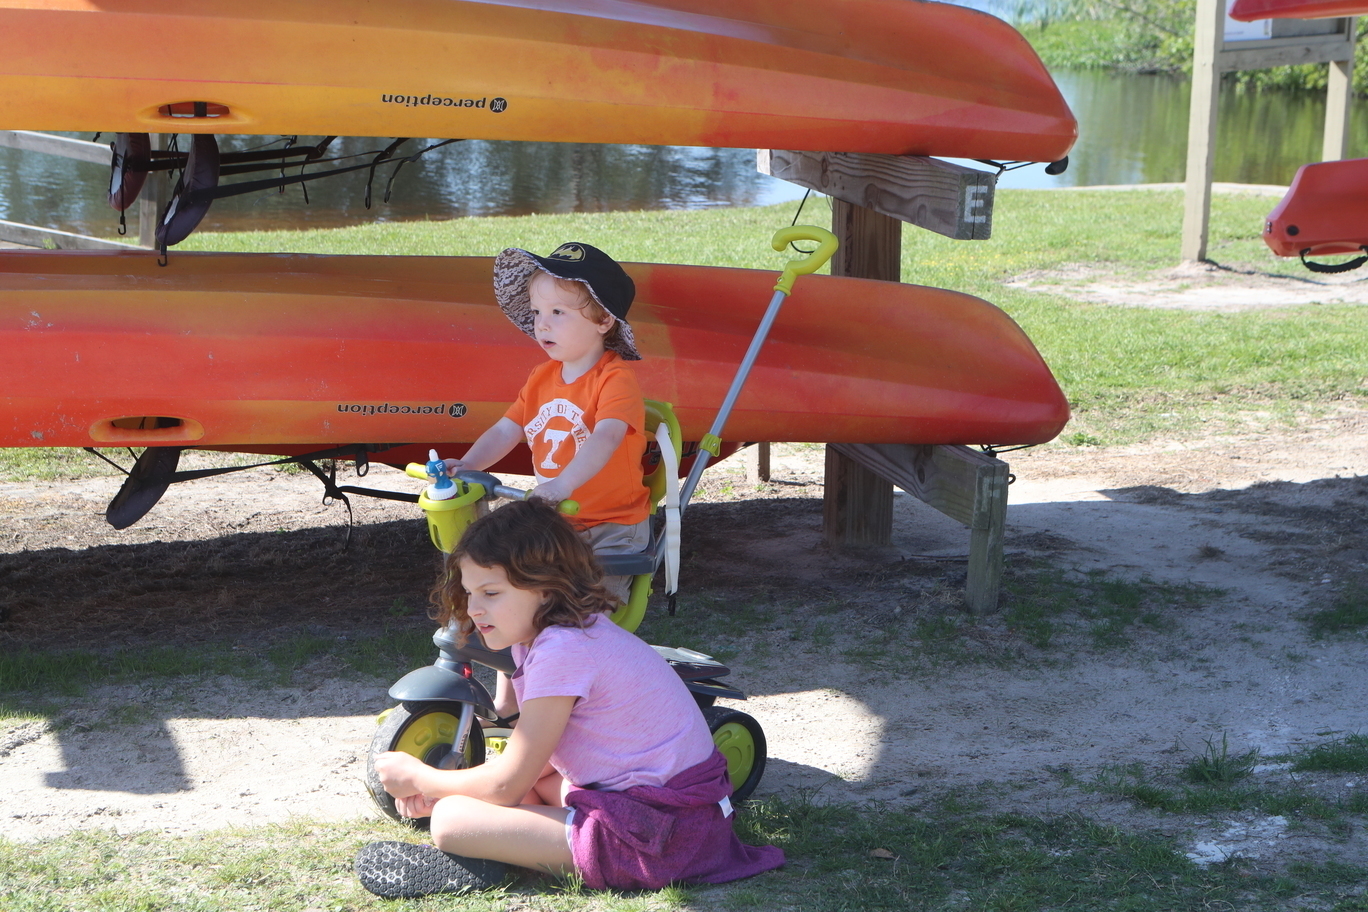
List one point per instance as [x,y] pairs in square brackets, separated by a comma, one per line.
[505,700]
[493,445]
[588,462]
[504,783]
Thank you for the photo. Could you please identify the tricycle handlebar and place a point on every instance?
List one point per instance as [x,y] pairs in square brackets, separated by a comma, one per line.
[491,485]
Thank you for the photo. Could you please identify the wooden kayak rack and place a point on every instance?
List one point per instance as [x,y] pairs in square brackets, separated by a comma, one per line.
[871,196]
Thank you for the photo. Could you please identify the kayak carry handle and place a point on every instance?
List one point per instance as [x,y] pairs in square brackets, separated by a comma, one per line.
[826,248]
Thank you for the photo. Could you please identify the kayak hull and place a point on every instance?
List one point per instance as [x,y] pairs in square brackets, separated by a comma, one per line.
[289,353]
[1325,211]
[886,76]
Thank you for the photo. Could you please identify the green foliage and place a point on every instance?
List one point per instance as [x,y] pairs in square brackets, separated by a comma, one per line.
[1218,767]
[1146,36]
[1138,37]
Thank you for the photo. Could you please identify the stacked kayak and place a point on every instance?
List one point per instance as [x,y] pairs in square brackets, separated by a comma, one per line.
[888,76]
[289,353]
[1325,212]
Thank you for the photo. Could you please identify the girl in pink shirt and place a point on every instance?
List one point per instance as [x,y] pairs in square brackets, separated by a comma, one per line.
[611,771]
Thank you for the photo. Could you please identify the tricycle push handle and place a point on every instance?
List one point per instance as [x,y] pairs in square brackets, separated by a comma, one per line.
[711,444]
[826,248]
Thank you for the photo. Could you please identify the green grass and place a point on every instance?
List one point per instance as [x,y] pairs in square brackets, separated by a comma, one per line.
[1218,767]
[1217,781]
[1343,755]
[1348,615]
[948,855]
[1045,604]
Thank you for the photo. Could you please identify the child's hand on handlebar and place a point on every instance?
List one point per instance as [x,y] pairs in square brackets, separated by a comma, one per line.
[553,491]
[454,466]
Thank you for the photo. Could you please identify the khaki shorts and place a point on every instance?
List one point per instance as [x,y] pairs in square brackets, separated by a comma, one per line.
[616,538]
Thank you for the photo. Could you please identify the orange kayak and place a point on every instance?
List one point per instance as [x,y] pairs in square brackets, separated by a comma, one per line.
[889,76]
[1250,10]
[287,353]
[1325,211]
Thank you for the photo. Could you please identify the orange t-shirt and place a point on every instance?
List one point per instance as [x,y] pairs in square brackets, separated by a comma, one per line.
[558,417]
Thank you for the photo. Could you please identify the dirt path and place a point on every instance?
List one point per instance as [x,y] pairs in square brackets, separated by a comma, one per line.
[1255,518]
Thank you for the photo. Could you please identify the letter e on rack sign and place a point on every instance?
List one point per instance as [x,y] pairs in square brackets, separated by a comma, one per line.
[937,195]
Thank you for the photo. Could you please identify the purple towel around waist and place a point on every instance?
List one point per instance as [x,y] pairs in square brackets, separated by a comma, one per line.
[648,836]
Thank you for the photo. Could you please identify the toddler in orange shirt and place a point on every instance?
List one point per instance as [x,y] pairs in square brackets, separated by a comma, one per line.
[581,412]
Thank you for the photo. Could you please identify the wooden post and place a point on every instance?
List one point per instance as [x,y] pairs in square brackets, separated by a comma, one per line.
[1201,152]
[757,463]
[857,503]
[152,199]
[1291,41]
[1338,95]
[983,584]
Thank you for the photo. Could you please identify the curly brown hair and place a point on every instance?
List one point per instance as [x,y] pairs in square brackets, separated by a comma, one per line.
[538,550]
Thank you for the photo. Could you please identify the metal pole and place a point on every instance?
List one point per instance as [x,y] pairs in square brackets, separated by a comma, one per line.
[752,353]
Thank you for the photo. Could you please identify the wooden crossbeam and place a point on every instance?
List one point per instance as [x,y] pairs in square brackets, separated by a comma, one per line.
[940,196]
[51,238]
[52,144]
[966,485]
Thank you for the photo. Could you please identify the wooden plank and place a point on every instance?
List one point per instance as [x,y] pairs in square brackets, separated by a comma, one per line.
[946,198]
[1201,151]
[1283,52]
[966,485]
[50,238]
[983,583]
[871,243]
[51,144]
[857,508]
[944,477]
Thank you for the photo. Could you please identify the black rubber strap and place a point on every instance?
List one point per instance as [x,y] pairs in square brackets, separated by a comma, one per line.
[1346,266]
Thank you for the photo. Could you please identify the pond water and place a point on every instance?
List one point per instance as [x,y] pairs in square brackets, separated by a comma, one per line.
[1133,129]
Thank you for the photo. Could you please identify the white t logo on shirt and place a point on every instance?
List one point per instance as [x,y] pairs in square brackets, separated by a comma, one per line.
[555,422]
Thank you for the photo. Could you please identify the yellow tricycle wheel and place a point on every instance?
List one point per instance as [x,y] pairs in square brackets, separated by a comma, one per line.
[742,742]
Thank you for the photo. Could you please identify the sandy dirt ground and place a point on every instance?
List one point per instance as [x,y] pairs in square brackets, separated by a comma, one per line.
[1271,523]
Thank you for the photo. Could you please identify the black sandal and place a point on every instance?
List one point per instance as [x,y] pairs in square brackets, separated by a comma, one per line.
[397,870]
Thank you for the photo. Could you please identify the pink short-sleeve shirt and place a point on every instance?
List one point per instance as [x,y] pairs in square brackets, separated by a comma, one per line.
[635,723]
